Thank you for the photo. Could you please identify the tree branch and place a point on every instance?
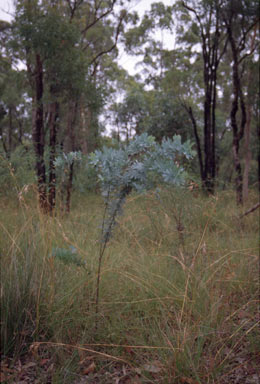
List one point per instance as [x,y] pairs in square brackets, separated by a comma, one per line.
[73,7]
[97,19]
[197,17]
[115,42]
[254,208]
[196,134]
[241,43]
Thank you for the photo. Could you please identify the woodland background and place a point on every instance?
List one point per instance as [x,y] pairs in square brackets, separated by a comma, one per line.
[172,294]
[62,89]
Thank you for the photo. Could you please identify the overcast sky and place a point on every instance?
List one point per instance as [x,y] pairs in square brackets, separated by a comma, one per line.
[138,5]
[6,7]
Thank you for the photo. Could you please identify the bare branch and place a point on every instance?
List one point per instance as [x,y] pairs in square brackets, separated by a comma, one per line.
[223,51]
[203,36]
[241,44]
[253,46]
[189,110]
[254,208]
[115,42]
[97,19]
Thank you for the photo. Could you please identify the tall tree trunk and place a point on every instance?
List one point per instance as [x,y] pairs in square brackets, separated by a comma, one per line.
[248,155]
[207,143]
[69,187]
[238,133]
[70,146]
[213,119]
[3,140]
[84,125]
[38,134]
[210,37]
[20,125]
[127,134]
[197,138]
[10,130]
[258,157]
[54,115]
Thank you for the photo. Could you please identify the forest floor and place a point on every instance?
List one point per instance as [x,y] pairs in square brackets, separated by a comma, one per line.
[243,369]
[179,292]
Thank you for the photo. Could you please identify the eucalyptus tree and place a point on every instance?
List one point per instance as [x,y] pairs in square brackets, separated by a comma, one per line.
[203,26]
[62,45]
[100,26]
[251,142]
[156,111]
[131,113]
[241,18]
[151,104]
[190,24]
[207,36]
[14,108]
[45,42]
[12,95]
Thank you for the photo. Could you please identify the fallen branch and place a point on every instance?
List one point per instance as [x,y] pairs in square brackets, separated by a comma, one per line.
[251,210]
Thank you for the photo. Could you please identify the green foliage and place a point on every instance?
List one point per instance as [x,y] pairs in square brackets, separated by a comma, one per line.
[137,36]
[141,162]
[139,166]
[51,34]
[167,117]
[67,256]
[17,171]
[66,159]
[85,176]
[160,16]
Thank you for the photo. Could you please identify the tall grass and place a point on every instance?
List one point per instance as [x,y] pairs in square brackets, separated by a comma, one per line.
[178,290]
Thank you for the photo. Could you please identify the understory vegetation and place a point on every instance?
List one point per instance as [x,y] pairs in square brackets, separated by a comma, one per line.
[178,290]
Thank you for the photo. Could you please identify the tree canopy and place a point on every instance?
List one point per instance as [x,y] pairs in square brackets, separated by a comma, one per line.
[63,90]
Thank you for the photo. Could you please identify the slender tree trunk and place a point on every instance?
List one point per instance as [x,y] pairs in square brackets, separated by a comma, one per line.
[207,146]
[197,138]
[210,37]
[84,125]
[3,140]
[237,133]
[69,187]
[258,134]
[53,126]
[211,62]
[20,124]
[213,118]
[118,134]
[70,146]
[248,155]
[38,134]
[10,130]
[238,170]
[127,135]
[209,142]
[235,147]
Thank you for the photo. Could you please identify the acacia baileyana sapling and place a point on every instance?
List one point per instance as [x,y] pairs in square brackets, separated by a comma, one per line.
[139,166]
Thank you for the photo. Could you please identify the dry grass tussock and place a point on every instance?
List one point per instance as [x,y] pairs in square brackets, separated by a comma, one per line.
[178,294]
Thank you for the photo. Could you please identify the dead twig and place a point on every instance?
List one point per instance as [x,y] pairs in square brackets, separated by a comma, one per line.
[251,210]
